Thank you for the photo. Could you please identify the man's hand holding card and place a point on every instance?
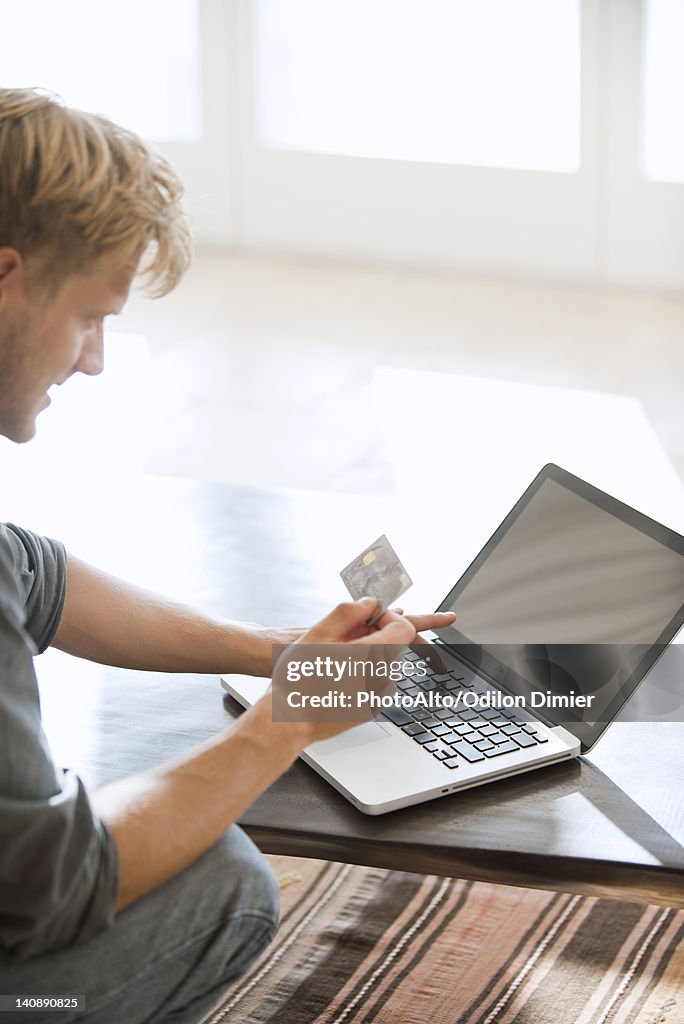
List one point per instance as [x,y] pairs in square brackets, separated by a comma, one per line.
[377,572]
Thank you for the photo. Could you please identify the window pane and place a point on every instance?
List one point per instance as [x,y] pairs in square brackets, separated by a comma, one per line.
[662,135]
[136,61]
[492,83]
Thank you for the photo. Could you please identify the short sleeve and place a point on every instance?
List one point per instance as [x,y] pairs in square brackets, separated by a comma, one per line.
[58,862]
[40,573]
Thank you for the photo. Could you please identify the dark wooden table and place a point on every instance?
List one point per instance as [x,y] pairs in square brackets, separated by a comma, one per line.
[611,824]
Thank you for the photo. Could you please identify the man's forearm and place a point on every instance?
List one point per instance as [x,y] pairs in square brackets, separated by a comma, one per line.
[115,623]
[164,818]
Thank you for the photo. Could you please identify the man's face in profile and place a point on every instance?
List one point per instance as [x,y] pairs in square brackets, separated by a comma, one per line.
[45,337]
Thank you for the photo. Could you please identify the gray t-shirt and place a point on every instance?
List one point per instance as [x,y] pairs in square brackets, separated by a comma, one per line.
[58,863]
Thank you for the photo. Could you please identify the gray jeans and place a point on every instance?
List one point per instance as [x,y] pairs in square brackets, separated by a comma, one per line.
[169,956]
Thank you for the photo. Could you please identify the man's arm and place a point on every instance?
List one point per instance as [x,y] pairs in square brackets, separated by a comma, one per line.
[116,623]
[110,621]
[164,818]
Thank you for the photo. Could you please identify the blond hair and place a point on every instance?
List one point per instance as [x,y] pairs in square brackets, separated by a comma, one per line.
[74,187]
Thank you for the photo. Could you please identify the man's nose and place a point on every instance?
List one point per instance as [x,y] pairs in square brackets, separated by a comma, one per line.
[91,360]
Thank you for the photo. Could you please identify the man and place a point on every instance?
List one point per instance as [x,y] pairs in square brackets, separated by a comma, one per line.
[144,895]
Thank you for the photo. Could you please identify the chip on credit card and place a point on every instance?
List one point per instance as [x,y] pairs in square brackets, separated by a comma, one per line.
[377,572]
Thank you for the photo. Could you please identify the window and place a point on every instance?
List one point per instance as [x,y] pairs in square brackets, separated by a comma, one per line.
[136,62]
[662,131]
[492,83]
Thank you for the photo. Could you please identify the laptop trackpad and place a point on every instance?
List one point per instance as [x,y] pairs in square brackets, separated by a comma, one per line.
[368,732]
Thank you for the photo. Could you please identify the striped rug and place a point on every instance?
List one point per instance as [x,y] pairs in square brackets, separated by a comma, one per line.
[361,944]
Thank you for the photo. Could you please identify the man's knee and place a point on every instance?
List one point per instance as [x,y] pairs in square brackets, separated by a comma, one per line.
[176,949]
[233,897]
[237,866]
[244,885]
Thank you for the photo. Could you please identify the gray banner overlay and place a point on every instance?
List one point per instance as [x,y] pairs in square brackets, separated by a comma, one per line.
[567,683]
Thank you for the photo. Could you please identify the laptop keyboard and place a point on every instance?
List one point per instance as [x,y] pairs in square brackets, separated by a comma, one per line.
[458,736]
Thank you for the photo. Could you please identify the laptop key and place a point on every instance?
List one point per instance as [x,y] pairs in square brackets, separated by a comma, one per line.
[522,739]
[422,737]
[483,745]
[430,722]
[438,746]
[443,714]
[469,752]
[413,728]
[499,738]
[459,726]
[397,715]
[428,684]
[441,729]
[467,715]
[504,748]
[441,755]
[452,762]
[537,735]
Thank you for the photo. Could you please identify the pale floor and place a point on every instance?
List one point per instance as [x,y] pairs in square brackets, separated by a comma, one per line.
[262,369]
[296,374]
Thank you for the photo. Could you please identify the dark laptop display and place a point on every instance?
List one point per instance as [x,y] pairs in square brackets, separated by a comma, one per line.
[575,593]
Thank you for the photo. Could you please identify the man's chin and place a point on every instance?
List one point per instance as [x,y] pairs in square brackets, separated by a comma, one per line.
[19,433]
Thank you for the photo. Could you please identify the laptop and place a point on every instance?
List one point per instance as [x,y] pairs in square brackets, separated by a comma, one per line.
[560,617]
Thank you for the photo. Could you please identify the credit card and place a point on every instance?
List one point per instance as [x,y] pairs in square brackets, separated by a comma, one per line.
[377,572]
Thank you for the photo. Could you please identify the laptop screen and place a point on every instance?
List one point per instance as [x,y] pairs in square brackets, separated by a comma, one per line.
[575,594]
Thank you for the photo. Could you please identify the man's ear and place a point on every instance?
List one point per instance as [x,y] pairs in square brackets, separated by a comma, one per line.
[12,273]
